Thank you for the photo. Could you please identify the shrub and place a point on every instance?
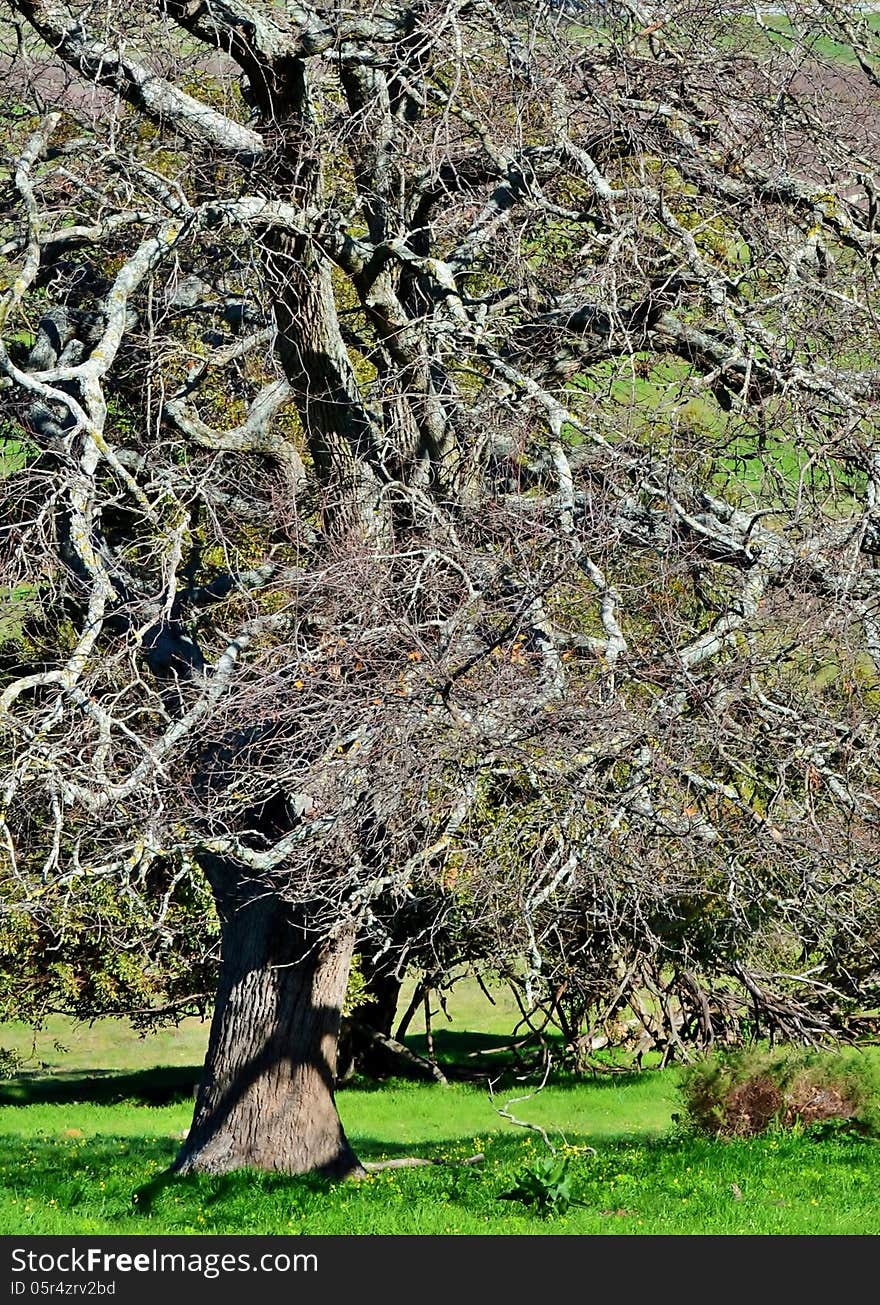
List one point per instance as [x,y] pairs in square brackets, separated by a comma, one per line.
[745,1093]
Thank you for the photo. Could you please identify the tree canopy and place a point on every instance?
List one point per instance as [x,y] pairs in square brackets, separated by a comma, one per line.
[440,514]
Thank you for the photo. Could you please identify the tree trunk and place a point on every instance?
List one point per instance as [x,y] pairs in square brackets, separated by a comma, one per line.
[359,1051]
[266,1097]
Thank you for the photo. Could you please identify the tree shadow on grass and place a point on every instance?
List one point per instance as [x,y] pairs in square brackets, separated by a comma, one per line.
[146,1087]
[172,1085]
[75,1172]
[474,1056]
[504,1058]
[209,1190]
[462,1056]
[445,1154]
[101,1179]
[98,1182]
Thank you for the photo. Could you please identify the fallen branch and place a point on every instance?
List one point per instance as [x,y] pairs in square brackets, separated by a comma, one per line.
[428,1067]
[496,1051]
[416,1162]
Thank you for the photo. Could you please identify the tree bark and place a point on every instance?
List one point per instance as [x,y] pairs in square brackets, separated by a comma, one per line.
[359,1049]
[266,1098]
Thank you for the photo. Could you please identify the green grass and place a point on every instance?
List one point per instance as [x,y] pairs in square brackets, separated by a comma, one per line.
[74,1169]
[15,449]
[652,401]
[776,32]
[780,32]
[65,1045]
[79,1138]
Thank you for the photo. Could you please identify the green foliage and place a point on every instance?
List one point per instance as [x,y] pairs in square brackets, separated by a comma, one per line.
[15,448]
[749,1092]
[11,1062]
[357,993]
[110,952]
[544,1186]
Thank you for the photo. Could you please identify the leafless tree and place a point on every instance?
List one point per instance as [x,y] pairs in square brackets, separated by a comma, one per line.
[441,508]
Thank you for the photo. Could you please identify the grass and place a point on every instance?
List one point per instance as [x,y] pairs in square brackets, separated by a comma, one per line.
[77,1142]
[108,1045]
[780,32]
[775,33]
[74,1171]
[652,400]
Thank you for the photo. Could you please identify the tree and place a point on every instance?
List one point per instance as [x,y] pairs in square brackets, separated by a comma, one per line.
[440,509]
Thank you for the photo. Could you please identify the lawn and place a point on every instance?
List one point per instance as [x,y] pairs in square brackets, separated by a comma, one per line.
[779,30]
[79,1138]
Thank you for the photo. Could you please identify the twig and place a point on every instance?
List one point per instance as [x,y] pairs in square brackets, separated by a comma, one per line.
[505,1113]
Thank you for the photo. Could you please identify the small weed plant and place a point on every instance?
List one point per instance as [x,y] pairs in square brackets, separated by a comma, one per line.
[544,1186]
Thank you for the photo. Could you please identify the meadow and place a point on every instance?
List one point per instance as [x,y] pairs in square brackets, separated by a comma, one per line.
[85,1138]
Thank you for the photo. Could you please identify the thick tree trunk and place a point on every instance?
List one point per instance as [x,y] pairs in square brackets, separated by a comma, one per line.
[359,1051]
[266,1097]
[384,994]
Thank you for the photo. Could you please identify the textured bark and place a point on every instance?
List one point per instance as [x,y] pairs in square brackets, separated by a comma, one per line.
[266,1097]
[158,99]
[323,386]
